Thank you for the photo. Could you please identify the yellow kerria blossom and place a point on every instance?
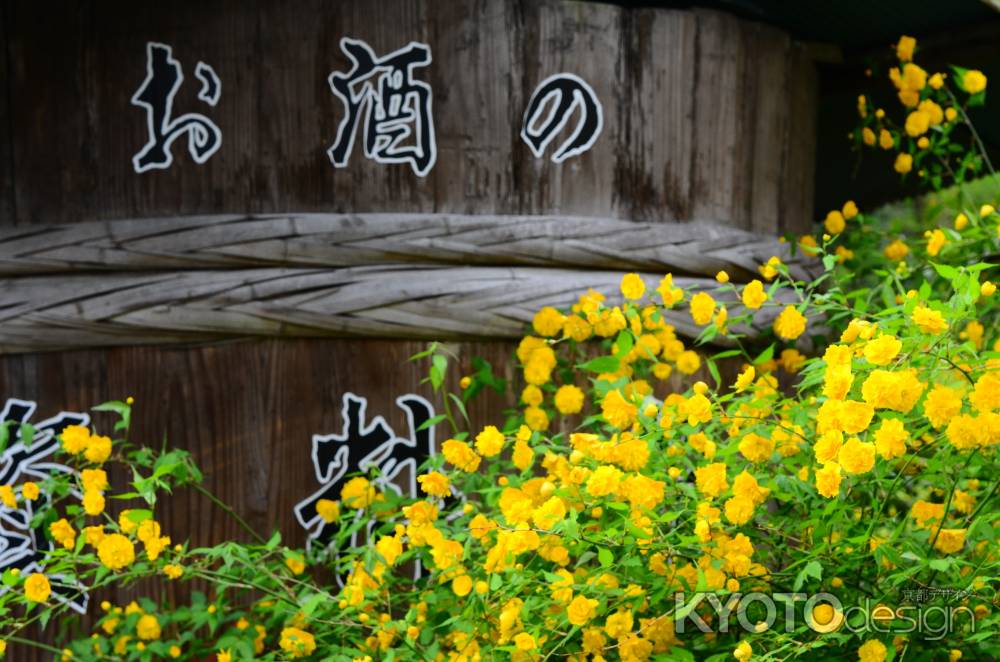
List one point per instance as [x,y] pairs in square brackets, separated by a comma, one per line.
[147,627]
[942,404]
[173,571]
[856,456]
[93,502]
[743,651]
[603,481]
[702,308]
[490,441]
[885,140]
[297,642]
[828,479]
[569,399]
[711,479]
[917,123]
[94,480]
[328,509]
[890,439]
[903,163]
[756,448]
[896,250]
[754,295]
[30,491]
[63,533]
[929,320]
[973,81]
[461,455]
[849,210]
[632,286]
[936,240]
[581,610]
[37,587]
[905,47]
[790,324]
[688,362]
[618,411]
[74,439]
[98,449]
[882,350]
[950,541]
[745,378]
[357,493]
[435,483]
[548,322]
[834,222]
[116,551]
[8,497]
[722,277]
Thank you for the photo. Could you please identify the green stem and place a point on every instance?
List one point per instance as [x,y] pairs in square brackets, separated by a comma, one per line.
[232,513]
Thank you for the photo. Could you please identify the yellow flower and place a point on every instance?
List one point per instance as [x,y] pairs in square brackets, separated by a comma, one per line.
[828,480]
[604,481]
[743,651]
[745,378]
[435,483]
[739,510]
[688,362]
[973,81]
[296,642]
[930,321]
[987,289]
[711,479]
[98,449]
[670,294]
[885,140]
[461,455]
[618,411]
[850,210]
[770,268]
[754,295]
[93,535]
[872,650]
[917,123]
[834,222]
[632,286]
[986,210]
[30,491]
[523,455]
[37,587]
[986,394]
[63,533]
[569,399]
[357,493]
[882,350]
[856,456]
[581,610]
[936,240]
[935,114]
[328,509]
[903,164]
[524,642]
[868,136]
[936,81]
[74,439]
[898,390]
[702,308]
[94,480]
[897,250]
[548,322]
[116,551]
[790,324]
[173,571]
[295,564]
[8,497]
[756,448]
[174,651]
[461,585]
[891,438]
[221,656]
[93,502]
[147,627]
[490,441]
[904,49]
[950,114]
[722,277]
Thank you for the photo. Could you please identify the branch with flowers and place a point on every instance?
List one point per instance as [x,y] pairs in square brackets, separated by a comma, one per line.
[853,455]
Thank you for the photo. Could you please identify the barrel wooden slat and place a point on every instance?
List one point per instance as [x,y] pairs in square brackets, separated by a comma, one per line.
[355,239]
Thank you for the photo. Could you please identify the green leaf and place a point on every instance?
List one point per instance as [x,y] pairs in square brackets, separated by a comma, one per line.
[431,422]
[765,356]
[812,569]
[605,557]
[601,364]
[496,581]
[624,343]
[27,431]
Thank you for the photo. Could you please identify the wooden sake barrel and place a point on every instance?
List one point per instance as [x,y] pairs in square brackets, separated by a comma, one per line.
[205,205]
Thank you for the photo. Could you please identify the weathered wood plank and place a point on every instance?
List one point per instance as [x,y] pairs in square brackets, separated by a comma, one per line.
[302,240]
[391,301]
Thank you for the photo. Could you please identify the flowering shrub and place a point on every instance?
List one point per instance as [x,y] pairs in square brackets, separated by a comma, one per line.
[599,516]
